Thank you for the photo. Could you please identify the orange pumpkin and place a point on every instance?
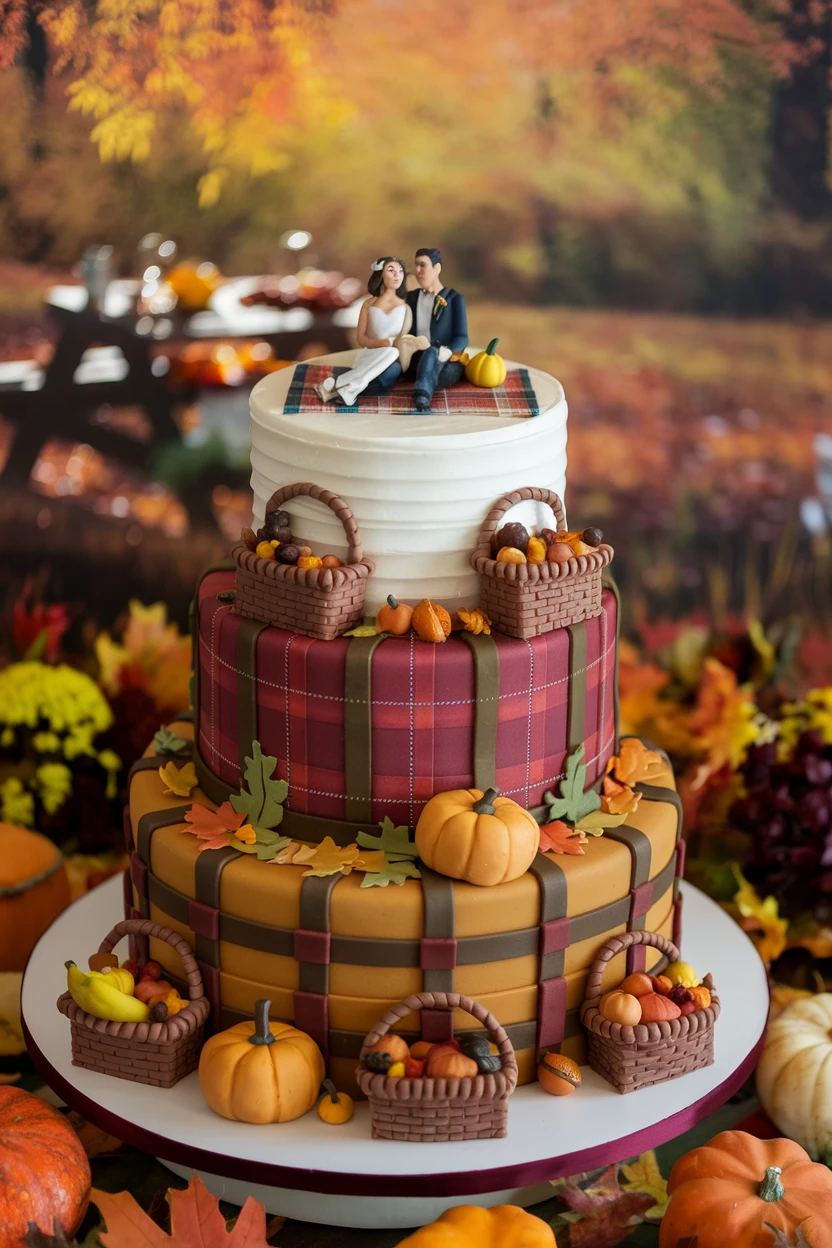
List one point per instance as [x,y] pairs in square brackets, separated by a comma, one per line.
[658,1009]
[620,1007]
[638,985]
[44,1173]
[558,1075]
[727,1191]
[479,837]
[661,984]
[420,1049]
[34,889]
[394,617]
[398,1048]
[431,621]
[504,1226]
[447,1064]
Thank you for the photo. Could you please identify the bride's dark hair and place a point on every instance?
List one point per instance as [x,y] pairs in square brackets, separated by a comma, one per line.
[376,283]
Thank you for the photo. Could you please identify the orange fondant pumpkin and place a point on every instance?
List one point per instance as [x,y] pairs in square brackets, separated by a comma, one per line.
[638,985]
[34,889]
[479,837]
[394,617]
[658,1009]
[446,1064]
[661,984]
[558,1075]
[420,1049]
[398,1048]
[431,621]
[620,1007]
[44,1172]
[727,1191]
[468,1226]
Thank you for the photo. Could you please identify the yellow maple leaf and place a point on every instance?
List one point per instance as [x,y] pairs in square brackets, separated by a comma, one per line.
[371,860]
[286,855]
[618,799]
[327,858]
[180,781]
[645,1176]
[760,918]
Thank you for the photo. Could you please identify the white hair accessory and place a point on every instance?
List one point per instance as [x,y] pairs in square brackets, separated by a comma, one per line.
[379,264]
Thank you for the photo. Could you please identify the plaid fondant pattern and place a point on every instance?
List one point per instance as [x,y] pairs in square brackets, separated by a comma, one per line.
[515,397]
[422,713]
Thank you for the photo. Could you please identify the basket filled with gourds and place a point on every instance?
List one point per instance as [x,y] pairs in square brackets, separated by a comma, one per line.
[280,581]
[650,1028]
[453,1090]
[533,583]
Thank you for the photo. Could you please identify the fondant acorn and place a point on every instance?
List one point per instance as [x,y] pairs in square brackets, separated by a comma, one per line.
[512,534]
[558,1075]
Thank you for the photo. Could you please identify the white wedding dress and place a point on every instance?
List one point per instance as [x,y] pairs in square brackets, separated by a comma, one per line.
[371,361]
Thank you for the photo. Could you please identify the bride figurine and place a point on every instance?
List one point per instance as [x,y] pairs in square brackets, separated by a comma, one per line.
[385,318]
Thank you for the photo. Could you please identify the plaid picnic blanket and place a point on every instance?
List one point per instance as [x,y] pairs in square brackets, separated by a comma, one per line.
[515,397]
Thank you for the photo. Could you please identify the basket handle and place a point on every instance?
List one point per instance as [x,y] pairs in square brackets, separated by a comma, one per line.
[536,493]
[616,945]
[342,510]
[146,927]
[450,1001]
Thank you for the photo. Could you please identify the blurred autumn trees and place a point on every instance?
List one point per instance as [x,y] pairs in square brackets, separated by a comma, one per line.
[639,153]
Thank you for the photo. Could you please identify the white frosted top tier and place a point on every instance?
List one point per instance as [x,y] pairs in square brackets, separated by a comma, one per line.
[419,485]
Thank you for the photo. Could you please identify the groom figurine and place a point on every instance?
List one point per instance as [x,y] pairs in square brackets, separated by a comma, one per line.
[439,315]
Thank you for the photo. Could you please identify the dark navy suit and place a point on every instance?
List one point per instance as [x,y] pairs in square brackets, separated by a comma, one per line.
[448,328]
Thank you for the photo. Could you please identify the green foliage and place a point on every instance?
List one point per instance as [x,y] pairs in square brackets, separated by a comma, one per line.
[262,804]
[394,841]
[395,871]
[167,741]
[574,804]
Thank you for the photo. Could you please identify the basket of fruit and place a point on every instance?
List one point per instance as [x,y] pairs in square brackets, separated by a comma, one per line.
[281,582]
[533,583]
[652,1027]
[457,1090]
[127,1020]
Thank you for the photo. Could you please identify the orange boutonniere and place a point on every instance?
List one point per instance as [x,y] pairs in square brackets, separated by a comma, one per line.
[439,304]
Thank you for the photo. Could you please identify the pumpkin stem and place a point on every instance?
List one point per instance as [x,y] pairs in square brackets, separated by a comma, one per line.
[262,1032]
[329,1089]
[771,1189]
[391,602]
[485,806]
[69,964]
[492,346]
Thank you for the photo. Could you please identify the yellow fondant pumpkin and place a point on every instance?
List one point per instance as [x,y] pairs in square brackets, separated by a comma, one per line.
[261,1071]
[794,1074]
[487,368]
[504,1226]
[335,1107]
[34,889]
[479,837]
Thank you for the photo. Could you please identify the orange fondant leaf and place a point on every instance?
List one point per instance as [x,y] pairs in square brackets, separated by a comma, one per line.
[195,1222]
[212,827]
[560,838]
[327,858]
[635,764]
[286,855]
[618,799]
[370,860]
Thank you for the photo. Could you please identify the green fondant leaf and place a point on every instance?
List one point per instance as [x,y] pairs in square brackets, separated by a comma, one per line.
[167,741]
[263,802]
[364,630]
[573,804]
[597,820]
[395,841]
[393,873]
[264,850]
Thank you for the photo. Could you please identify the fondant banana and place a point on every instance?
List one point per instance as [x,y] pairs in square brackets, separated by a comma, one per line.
[102,996]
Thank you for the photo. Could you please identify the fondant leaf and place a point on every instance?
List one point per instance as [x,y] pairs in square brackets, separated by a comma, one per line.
[364,630]
[263,802]
[645,1176]
[180,781]
[167,741]
[327,858]
[573,802]
[212,827]
[561,839]
[395,841]
[618,798]
[635,764]
[393,872]
[196,1221]
[597,820]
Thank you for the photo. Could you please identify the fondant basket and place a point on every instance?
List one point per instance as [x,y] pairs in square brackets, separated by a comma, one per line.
[426,1110]
[156,1053]
[526,599]
[317,602]
[636,1057]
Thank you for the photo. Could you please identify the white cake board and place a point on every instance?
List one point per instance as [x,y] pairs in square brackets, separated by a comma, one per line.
[339,1175]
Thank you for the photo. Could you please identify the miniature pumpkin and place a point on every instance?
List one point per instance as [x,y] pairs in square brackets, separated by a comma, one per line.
[727,1191]
[661,984]
[331,561]
[559,552]
[44,1171]
[414,1069]
[431,621]
[701,996]
[657,1009]
[34,889]
[504,1226]
[479,837]
[558,1075]
[537,550]
[420,1049]
[682,973]
[793,1074]
[487,368]
[450,1065]
[510,554]
[392,1044]
[335,1107]
[394,617]
[261,1071]
[620,1007]
[638,985]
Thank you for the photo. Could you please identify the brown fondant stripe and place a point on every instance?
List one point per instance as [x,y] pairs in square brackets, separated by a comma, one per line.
[184,717]
[152,763]
[608,582]
[553,938]
[658,793]
[151,822]
[315,895]
[486,659]
[358,727]
[208,870]
[640,859]
[551,879]
[438,897]
[247,635]
[225,565]
[576,711]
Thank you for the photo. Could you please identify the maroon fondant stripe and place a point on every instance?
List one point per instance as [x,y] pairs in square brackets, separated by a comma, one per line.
[486,659]
[358,727]
[311,948]
[248,632]
[554,935]
[438,952]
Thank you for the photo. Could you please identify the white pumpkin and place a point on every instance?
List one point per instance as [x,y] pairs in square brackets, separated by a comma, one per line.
[794,1074]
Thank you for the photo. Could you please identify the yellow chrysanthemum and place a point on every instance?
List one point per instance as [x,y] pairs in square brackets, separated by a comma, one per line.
[31,692]
[54,784]
[17,805]
[46,742]
[760,918]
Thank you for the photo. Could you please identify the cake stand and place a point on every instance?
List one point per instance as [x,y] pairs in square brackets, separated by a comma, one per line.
[339,1175]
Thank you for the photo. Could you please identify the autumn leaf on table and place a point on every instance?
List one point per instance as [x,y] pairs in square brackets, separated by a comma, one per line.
[195,1222]
[599,1212]
[760,918]
[394,841]
[167,741]
[262,802]
[97,1143]
[561,839]
[645,1176]
[213,827]
[327,858]
[180,781]
[393,872]
[573,802]
[635,764]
